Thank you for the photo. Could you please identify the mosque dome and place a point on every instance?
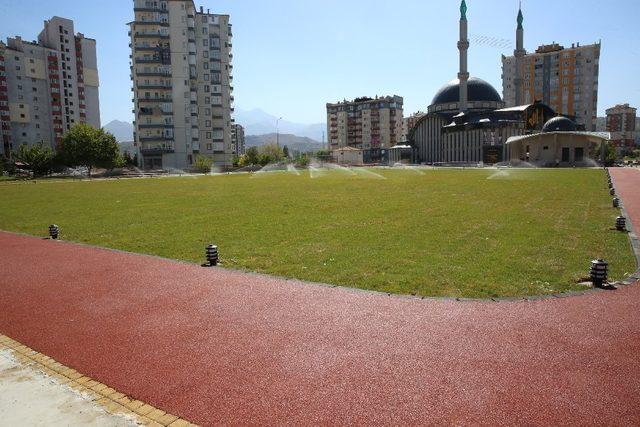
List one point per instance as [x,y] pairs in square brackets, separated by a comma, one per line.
[559,124]
[478,91]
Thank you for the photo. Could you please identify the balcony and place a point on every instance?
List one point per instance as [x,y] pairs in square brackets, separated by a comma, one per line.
[158,138]
[150,9]
[151,86]
[154,99]
[155,126]
[151,35]
[160,23]
[145,48]
[153,74]
[148,61]
[150,150]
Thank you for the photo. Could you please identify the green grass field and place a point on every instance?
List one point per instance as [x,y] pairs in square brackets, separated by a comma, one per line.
[461,233]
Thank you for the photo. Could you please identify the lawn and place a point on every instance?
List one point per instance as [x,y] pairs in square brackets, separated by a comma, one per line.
[460,233]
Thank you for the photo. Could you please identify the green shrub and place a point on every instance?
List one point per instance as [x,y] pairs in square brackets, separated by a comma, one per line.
[202,164]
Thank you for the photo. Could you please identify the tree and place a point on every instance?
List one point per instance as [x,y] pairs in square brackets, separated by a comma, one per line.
[264,159]
[272,151]
[609,151]
[86,146]
[285,152]
[203,164]
[252,156]
[38,156]
[243,161]
[128,160]
[302,160]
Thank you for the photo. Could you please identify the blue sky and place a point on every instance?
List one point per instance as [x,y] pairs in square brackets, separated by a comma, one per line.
[293,56]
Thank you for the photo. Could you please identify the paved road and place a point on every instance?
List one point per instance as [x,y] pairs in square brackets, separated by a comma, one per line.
[215,346]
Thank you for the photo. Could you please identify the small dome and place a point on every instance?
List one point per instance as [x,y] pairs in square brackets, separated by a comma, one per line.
[559,124]
[478,91]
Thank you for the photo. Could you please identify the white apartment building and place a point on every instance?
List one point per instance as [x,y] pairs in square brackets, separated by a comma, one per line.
[47,86]
[182,84]
[365,123]
[237,138]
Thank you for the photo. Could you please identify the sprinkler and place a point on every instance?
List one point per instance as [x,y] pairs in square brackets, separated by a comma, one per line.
[53,231]
[621,223]
[616,202]
[212,255]
[598,272]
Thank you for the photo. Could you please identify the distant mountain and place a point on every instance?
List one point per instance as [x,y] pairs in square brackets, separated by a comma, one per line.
[123,131]
[259,122]
[294,142]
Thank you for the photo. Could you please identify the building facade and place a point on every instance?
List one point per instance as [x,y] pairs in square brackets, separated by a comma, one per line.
[560,144]
[182,84]
[47,86]
[621,123]
[566,79]
[365,123]
[237,138]
[409,122]
[466,121]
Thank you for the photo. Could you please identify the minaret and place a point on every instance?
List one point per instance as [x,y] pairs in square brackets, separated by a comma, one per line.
[463,47]
[519,54]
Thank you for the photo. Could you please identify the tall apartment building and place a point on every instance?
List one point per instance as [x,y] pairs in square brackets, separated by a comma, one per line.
[409,122]
[237,138]
[182,84]
[566,79]
[365,123]
[47,86]
[621,122]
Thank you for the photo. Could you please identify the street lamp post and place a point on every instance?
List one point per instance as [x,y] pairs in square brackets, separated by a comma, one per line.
[278,132]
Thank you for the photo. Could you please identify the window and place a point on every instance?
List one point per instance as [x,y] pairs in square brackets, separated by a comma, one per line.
[209,147]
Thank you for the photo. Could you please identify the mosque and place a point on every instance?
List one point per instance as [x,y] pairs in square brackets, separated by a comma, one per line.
[467,121]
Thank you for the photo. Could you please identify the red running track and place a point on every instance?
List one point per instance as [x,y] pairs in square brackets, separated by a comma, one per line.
[222,347]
